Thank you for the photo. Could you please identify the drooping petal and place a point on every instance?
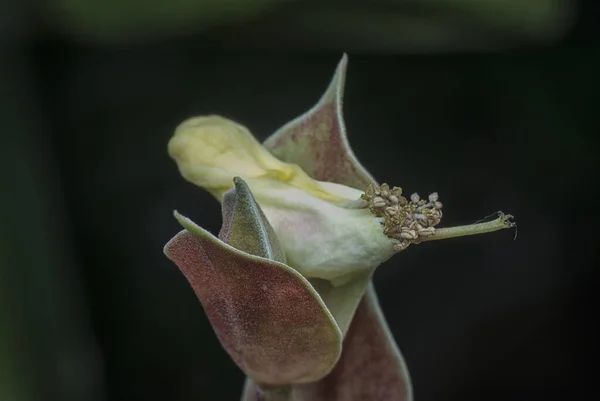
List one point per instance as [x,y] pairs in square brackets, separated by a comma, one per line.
[211,150]
[317,141]
[267,316]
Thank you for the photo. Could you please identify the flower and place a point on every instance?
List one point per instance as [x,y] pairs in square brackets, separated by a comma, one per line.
[211,150]
[310,228]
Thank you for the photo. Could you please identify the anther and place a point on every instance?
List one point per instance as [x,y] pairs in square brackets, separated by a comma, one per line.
[378,202]
[407,222]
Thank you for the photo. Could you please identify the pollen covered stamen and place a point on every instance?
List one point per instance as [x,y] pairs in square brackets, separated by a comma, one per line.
[408,221]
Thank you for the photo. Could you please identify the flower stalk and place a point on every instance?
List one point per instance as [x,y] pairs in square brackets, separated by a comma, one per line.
[412,220]
[280,393]
[503,221]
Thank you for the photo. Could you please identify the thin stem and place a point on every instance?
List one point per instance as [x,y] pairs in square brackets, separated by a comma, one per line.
[500,223]
[282,393]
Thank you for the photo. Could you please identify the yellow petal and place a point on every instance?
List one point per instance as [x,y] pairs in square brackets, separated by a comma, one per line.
[211,150]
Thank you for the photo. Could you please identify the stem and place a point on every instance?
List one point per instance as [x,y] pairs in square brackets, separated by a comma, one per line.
[282,393]
[500,223]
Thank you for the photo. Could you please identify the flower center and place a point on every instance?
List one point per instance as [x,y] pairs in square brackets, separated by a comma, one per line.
[408,221]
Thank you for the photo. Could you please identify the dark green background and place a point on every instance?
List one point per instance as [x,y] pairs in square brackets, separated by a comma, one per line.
[91,310]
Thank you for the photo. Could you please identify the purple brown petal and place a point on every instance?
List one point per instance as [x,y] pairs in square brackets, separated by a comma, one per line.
[267,316]
[317,141]
[370,368]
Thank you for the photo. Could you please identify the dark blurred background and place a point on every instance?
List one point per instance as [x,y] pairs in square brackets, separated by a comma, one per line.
[491,103]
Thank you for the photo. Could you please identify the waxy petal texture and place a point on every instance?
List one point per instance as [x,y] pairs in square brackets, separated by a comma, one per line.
[267,316]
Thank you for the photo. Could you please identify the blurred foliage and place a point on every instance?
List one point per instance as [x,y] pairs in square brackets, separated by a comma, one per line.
[46,347]
[16,378]
[13,377]
[391,25]
[120,19]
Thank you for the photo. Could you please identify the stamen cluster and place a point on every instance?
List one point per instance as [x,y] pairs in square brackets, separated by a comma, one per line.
[406,220]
